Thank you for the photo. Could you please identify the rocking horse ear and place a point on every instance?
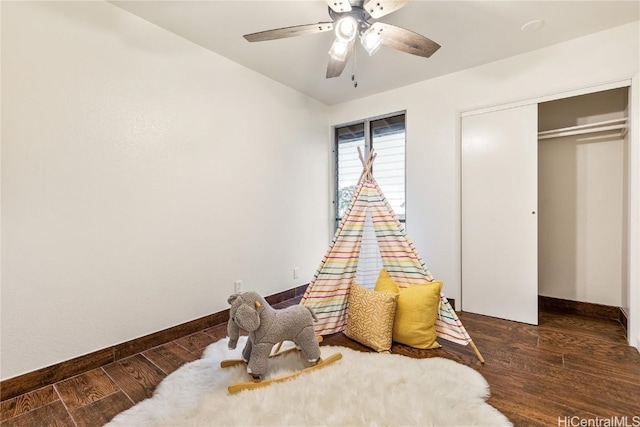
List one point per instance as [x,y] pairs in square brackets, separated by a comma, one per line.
[258,305]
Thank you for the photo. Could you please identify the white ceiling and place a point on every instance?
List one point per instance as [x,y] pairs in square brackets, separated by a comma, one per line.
[470,33]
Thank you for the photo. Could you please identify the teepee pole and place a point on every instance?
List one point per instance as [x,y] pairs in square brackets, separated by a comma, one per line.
[366,165]
[476,351]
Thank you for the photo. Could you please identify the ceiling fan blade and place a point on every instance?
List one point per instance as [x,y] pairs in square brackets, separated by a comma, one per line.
[339,5]
[335,67]
[405,40]
[281,33]
[380,8]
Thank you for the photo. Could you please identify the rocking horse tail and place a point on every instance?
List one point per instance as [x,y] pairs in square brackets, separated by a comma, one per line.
[313,313]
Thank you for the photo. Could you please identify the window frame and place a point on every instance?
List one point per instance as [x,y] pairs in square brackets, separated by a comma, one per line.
[368,142]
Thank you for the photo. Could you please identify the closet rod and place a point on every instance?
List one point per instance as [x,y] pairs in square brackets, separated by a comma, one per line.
[589,125]
[581,131]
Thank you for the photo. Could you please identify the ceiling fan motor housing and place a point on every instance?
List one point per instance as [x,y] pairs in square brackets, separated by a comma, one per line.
[358,13]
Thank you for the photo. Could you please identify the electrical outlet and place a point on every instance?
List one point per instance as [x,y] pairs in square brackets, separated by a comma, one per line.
[237,286]
[295,272]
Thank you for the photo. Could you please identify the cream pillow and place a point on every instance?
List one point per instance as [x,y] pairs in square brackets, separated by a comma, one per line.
[416,312]
[370,317]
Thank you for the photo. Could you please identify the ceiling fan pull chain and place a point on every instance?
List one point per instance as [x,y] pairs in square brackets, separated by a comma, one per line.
[353,73]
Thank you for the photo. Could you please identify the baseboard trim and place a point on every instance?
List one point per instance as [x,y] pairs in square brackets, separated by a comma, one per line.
[579,307]
[622,317]
[34,380]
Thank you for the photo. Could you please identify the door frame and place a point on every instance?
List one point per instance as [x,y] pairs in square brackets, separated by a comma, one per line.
[633,332]
[584,90]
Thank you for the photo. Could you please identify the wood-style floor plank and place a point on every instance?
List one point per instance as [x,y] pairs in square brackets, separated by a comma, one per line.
[52,415]
[217,332]
[582,325]
[27,402]
[197,342]
[136,376]
[529,410]
[169,357]
[626,371]
[86,388]
[101,411]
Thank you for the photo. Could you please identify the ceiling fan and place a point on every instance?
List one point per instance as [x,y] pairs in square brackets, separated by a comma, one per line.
[350,20]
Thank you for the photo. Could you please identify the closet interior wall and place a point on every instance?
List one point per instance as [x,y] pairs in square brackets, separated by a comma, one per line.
[583,198]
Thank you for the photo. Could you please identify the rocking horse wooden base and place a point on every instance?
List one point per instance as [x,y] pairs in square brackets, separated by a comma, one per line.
[250,385]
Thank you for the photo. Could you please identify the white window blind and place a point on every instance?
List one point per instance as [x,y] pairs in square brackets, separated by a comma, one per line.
[388,140]
[387,136]
[349,167]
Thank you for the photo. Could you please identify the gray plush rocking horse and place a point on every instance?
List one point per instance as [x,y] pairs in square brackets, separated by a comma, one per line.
[268,327]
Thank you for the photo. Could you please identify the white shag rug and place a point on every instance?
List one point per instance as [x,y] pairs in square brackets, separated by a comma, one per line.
[362,389]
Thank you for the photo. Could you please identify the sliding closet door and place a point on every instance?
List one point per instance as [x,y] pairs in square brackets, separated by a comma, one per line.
[499,222]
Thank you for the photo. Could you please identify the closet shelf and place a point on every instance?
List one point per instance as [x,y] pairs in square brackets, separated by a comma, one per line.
[607,125]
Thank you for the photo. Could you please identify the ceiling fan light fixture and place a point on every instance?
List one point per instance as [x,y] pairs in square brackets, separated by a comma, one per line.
[346,28]
[371,41]
[339,50]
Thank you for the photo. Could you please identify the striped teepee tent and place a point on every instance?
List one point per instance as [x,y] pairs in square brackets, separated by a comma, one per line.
[370,237]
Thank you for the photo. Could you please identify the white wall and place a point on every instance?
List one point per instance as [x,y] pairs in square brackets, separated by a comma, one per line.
[141,176]
[581,200]
[433,116]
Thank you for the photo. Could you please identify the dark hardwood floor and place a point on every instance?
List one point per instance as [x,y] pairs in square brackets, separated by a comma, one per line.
[568,366]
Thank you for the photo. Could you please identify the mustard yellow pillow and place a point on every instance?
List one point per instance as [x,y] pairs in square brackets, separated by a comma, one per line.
[416,312]
[370,317]
[385,283]
[416,315]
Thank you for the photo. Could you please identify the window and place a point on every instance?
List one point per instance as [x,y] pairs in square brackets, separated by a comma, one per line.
[386,135]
